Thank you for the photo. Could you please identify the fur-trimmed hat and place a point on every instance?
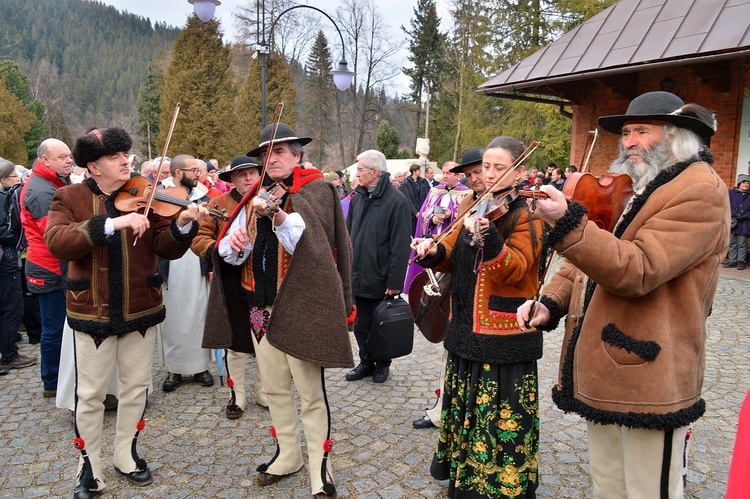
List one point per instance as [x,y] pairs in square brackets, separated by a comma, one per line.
[470,158]
[664,106]
[238,163]
[284,133]
[97,143]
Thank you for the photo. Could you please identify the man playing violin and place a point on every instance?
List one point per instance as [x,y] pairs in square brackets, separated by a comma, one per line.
[286,255]
[637,299]
[243,174]
[113,298]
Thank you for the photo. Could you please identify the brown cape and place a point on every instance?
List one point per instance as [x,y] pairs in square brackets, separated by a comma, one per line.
[309,314]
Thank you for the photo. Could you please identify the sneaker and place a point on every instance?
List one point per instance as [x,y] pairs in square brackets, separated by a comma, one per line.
[4,370]
[19,362]
[204,378]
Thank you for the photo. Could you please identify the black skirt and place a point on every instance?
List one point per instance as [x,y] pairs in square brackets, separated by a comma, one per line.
[489,430]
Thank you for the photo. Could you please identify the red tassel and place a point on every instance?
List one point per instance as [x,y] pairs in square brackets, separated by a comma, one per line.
[230,382]
[273,432]
[78,443]
[141,424]
[328,445]
[352,316]
[437,392]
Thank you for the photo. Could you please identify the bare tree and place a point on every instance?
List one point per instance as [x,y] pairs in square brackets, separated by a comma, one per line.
[372,49]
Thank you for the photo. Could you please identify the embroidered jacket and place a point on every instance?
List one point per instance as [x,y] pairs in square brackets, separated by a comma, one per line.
[483,325]
[113,287]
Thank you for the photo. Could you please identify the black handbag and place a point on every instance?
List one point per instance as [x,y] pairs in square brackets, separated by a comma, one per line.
[392,332]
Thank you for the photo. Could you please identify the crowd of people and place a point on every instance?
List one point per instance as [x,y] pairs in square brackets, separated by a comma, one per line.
[238,258]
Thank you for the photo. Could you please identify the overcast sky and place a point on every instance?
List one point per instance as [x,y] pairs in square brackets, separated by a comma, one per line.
[396,13]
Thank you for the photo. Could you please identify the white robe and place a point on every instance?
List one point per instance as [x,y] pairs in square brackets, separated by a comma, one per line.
[186,298]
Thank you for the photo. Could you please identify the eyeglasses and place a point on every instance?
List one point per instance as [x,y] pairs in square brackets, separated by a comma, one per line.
[360,169]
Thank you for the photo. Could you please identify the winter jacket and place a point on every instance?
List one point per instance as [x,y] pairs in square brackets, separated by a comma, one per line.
[634,346]
[415,192]
[739,203]
[113,286]
[9,259]
[43,273]
[380,228]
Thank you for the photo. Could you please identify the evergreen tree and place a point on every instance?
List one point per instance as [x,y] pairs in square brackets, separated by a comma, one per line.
[18,83]
[15,121]
[199,77]
[279,88]
[427,45]
[149,109]
[319,96]
[388,140]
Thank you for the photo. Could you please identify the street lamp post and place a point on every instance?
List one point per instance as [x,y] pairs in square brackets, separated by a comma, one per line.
[342,77]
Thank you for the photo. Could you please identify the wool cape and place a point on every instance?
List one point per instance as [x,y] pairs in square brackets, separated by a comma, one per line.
[634,347]
[309,317]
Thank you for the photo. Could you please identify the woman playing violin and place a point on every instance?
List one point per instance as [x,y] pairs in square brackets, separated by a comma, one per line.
[489,429]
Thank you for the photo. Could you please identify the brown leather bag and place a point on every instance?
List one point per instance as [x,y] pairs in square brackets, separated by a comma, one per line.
[430,311]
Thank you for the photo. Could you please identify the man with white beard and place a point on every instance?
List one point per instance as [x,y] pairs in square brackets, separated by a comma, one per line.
[637,299]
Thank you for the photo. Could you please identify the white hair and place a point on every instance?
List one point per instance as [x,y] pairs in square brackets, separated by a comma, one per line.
[375,160]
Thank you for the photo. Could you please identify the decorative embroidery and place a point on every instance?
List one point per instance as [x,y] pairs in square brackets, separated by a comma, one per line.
[259,322]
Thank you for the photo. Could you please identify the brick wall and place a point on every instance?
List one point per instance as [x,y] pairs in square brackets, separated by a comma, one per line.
[603,101]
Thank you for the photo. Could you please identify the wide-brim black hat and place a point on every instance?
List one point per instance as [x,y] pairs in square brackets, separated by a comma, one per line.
[284,133]
[470,158]
[662,106]
[97,143]
[238,163]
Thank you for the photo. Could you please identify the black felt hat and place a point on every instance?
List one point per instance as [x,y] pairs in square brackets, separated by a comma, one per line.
[97,143]
[238,163]
[664,106]
[470,158]
[284,133]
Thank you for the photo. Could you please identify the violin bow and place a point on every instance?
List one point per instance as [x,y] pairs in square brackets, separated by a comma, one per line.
[267,159]
[593,135]
[161,161]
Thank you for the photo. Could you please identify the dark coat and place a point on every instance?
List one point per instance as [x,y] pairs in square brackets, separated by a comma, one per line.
[313,302]
[415,192]
[380,228]
[739,203]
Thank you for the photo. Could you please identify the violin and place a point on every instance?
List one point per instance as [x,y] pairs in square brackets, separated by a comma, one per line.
[492,206]
[272,196]
[605,197]
[167,203]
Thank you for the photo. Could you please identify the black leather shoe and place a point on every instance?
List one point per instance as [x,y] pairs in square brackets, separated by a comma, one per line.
[360,372]
[422,423]
[204,378]
[81,492]
[139,478]
[173,381]
[380,375]
[740,266]
[729,265]
[110,402]
[233,411]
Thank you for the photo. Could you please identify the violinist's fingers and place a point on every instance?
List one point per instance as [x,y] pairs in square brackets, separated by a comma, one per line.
[483,223]
[532,313]
[259,204]
[135,221]
[469,224]
[238,239]
[426,247]
[551,209]
[415,243]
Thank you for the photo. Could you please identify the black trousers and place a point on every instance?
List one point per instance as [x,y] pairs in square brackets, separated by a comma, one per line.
[11,310]
[362,326]
[32,318]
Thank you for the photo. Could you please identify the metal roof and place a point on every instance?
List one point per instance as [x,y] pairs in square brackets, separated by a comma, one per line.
[631,36]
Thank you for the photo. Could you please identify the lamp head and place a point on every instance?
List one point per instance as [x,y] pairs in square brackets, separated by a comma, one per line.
[204,9]
[342,77]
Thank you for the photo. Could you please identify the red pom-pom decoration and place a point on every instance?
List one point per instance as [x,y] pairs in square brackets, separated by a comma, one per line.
[352,316]
[328,445]
[437,392]
[78,443]
[141,424]
[273,432]
[230,382]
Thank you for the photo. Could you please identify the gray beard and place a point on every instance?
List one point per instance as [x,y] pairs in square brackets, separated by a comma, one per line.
[653,162]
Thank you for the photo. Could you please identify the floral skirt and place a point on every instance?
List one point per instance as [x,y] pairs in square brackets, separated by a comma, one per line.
[489,430]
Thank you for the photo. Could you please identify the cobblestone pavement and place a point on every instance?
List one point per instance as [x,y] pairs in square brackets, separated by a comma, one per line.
[194,451]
